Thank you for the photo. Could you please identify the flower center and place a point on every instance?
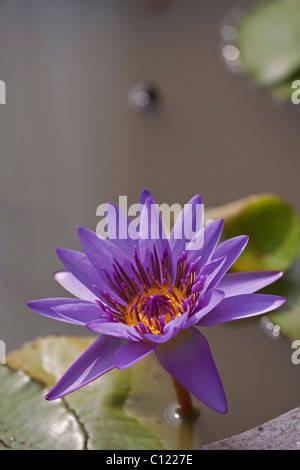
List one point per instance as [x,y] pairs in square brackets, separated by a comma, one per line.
[151,311]
[148,298]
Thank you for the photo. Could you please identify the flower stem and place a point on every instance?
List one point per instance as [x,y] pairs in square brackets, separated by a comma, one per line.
[186,409]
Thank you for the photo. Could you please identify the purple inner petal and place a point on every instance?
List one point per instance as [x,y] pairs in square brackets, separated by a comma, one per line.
[206,239]
[121,230]
[181,235]
[118,330]
[75,287]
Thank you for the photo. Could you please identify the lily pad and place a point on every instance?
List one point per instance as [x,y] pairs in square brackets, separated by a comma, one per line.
[288,317]
[28,422]
[273,229]
[96,412]
[284,91]
[269,41]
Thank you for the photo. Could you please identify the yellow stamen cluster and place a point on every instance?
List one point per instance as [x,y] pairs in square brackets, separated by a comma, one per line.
[150,311]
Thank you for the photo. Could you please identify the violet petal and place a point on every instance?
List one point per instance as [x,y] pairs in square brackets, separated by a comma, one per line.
[178,239]
[152,238]
[46,307]
[213,298]
[94,362]
[72,285]
[80,266]
[188,358]
[247,282]
[110,328]
[130,354]
[231,249]
[241,306]
[100,251]
[207,239]
[80,313]
[120,230]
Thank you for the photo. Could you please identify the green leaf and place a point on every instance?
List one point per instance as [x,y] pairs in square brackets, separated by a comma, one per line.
[272,226]
[284,91]
[269,41]
[97,410]
[288,317]
[273,229]
[28,422]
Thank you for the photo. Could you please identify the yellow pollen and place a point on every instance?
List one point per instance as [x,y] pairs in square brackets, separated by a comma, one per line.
[154,308]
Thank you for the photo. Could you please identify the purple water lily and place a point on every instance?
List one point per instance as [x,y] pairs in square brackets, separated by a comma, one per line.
[149,295]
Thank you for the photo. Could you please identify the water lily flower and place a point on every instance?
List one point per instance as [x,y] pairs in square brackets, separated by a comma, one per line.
[150,295]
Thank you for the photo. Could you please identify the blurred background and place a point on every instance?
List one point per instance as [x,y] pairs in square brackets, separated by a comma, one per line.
[73,135]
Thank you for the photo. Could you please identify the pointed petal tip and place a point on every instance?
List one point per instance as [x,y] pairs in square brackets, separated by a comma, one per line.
[81,230]
[85,235]
[273,272]
[59,251]
[244,238]
[146,192]
[221,405]
[219,223]
[281,300]
[48,398]
[57,274]
[96,361]
[278,301]
[223,409]
[51,396]
[196,199]
[110,203]
[32,304]
[148,202]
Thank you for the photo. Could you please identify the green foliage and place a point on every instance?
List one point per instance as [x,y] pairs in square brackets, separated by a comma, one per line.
[28,422]
[269,43]
[92,418]
[288,317]
[273,229]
